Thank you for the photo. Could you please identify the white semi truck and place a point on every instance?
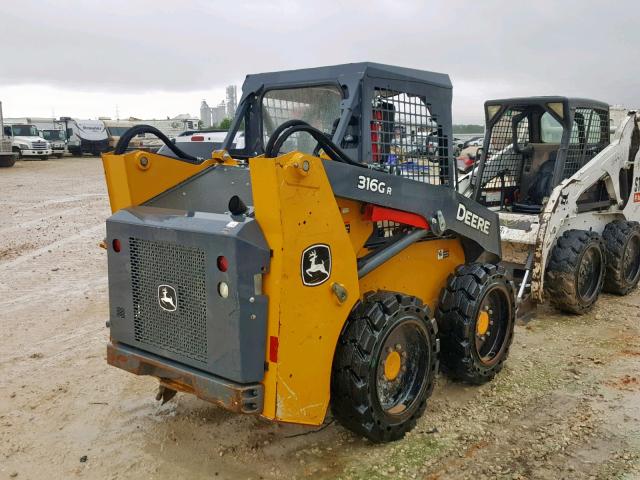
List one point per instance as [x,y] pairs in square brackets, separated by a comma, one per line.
[26,140]
[85,136]
[50,129]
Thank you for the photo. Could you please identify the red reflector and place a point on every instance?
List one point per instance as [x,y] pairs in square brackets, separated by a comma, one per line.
[273,349]
[197,138]
[116,245]
[223,263]
[376,213]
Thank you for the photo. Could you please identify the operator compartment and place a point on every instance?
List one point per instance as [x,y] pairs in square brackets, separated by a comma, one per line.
[185,281]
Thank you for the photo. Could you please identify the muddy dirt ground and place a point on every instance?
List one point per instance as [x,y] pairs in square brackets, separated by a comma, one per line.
[567,404]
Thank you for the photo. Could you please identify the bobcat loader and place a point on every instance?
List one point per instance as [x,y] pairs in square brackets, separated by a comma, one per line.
[567,192]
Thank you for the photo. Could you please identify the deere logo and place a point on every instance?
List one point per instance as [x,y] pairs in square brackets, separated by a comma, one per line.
[473,220]
[167,298]
[316,265]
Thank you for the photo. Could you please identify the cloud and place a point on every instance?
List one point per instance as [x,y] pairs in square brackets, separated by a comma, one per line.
[493,48]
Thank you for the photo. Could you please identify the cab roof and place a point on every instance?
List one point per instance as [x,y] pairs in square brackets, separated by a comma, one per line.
[570,102]
[348,74]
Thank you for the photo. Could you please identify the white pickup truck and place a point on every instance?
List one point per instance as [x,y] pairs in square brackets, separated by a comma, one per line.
[26,142]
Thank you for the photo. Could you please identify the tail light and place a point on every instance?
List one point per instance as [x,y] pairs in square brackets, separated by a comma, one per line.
[223,263]
[197,138]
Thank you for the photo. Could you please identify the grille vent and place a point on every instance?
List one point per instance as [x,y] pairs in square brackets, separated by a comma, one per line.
[154,263]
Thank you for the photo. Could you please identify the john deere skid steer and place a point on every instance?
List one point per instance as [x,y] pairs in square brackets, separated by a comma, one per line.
[327,262]
[567,190]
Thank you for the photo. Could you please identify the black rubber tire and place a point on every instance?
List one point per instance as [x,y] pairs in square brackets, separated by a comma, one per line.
[7,161]
[18,153]
[355,401]
[619,236]
[44,157]
[561,284]
[59,155]
[457,315]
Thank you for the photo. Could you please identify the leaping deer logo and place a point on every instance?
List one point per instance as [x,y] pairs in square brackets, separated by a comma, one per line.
[167,298]
[316,267]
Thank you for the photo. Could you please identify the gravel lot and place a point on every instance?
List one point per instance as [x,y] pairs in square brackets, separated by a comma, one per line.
[567,404]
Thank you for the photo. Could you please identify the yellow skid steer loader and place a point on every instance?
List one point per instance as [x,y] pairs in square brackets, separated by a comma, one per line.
[328,261]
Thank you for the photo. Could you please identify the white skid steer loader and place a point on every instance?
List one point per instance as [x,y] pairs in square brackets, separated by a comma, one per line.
[566,186]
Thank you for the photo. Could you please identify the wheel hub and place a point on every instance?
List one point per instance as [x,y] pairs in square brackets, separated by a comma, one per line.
[403,361]
[392,365]
[482,323]
[589,273]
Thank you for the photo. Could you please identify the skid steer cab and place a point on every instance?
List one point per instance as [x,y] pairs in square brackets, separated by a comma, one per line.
[563,174]
[328,263]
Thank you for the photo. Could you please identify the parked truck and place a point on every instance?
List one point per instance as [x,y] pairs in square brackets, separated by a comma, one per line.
[7,157]
[26,141]
[49,128]
[85,136]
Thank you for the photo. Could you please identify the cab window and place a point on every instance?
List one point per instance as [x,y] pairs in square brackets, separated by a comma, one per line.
[550,129]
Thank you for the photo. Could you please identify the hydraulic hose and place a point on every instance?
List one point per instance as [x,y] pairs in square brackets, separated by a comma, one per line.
[276,133]
[284,131]
[124,140]
[323,142]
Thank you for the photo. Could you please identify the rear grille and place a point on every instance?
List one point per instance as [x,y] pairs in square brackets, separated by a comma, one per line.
[183,331]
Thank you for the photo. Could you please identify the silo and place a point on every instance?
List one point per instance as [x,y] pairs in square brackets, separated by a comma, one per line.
[205,114]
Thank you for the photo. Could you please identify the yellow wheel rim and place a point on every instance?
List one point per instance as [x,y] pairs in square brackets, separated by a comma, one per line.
[482,324]
[392,365]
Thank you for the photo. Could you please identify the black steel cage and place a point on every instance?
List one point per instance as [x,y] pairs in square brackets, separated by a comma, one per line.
[589,135]
[515,134]
[396,118]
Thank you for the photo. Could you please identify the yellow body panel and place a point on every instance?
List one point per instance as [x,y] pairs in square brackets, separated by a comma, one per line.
[134,178]
[420,270]
[297,209]
[358,228]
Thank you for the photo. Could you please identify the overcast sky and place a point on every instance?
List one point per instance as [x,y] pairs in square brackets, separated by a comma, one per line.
[157,58]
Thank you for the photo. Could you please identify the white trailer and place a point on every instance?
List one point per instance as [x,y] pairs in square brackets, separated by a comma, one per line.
[7,156]
[172,128]
[85,136]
